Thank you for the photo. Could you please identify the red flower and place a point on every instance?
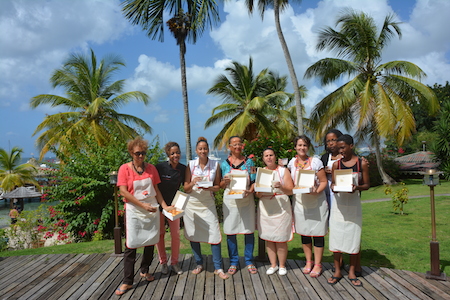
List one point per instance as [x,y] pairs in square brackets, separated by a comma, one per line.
[401,151]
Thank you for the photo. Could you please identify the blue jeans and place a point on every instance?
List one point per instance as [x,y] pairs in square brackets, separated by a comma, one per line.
[233,249]
[216,254]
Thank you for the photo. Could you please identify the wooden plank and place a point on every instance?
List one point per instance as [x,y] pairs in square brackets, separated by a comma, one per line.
[144,289]
[22,271]
[107,285]
[251,282]
[47,282]
[389,290]
[170,286]
[101,274]
[185,261]
[213,289]
[271,284]
[231,292]
[9,264]
[20,287]
[70,283]
[429,288]
[440,284]
[294,281]
[190,282]
[199,289]
[396,284]
[411,286]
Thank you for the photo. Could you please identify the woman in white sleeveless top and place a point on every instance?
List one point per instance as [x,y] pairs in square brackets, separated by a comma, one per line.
[201,224]
[310,210]
[274,217]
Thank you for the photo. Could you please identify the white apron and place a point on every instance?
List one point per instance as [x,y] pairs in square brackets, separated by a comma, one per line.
[346,221]
[239,214]
[311,211]
[275,214]
[201,223]
[142,226]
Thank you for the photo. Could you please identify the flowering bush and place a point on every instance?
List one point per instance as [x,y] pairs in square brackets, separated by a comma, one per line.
[283,147]
[84,191]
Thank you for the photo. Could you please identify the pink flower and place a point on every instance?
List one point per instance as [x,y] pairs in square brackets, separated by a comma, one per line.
[401,151]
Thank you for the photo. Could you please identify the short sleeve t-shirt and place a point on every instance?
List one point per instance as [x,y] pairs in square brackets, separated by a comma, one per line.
[171,179]
[126,176]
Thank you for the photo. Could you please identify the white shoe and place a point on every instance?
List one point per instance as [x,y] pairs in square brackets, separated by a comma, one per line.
[271,270]
[282,271]
[164,269]
[177,269]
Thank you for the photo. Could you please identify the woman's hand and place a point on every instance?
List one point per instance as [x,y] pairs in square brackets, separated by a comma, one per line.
[149,207]
[314,191]
[226,180]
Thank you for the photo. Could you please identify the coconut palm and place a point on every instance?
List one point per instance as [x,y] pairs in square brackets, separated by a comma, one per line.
[376,99]
[90,105]
[12,173]
[253,103]
[190,18]
[278,7]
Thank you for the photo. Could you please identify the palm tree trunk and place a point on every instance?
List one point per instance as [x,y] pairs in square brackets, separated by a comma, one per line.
[384,176]
[187,122]
[287,56]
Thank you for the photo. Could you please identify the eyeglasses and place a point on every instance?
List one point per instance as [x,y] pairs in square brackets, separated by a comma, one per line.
[236,145]
[139,153]
[331,141]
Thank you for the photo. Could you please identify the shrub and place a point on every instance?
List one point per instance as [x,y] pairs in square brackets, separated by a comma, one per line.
[390,166]
[283,147]
[399,196]
[83,189]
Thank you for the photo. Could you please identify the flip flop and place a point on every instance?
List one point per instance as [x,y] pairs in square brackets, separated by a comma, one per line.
[197,270]
[252,269]
[120,292]
[353,281]
[147,276]
[232,270]
[334,278]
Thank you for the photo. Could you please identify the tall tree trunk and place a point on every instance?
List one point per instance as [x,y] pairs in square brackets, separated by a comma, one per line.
[287,56]
[187,122]
[384,176]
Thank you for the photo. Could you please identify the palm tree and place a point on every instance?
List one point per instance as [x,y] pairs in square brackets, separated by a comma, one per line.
[13,174]
[378,95]
[190,19]
[252,104]
[279,6]
[91,104]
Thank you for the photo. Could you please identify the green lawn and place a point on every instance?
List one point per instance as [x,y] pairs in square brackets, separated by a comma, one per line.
[415,187]
[388,239]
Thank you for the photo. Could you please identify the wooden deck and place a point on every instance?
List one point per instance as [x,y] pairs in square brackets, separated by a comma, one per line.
[96,276]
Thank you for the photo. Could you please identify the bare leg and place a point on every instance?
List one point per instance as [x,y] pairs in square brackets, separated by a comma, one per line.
[272,253]
[282,251]
[337,272]
[351,270]
[318,254]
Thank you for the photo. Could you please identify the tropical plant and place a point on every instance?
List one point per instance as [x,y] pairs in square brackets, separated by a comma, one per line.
[441,145]
[91,105]
[377,99]
[189,20]
[278,7]
[12,173]
[283,146]
[253,104]
[399,196]
[82,186]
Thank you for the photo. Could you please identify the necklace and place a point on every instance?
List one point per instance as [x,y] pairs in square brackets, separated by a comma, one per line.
[139,172]
[301,165]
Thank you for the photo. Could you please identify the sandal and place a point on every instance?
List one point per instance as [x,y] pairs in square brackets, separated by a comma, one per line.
[147,276]
[221,274]
[337,279]
[232,270]
[252,269]
[120,291]
[353,281]
[197,270]
[316,274]
[306,270]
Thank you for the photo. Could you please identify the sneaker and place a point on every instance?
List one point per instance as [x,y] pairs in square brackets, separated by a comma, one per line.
[177,269]
[271,270]
[282,271]
[164,269]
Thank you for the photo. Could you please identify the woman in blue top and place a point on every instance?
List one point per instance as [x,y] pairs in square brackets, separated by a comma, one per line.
[239,214]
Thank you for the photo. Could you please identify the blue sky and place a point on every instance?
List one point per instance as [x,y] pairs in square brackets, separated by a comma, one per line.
[37,35]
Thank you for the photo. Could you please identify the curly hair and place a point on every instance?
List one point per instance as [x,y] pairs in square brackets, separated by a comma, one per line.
[140,142]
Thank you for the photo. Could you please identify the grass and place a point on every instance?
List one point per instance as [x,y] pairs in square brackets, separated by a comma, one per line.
[388,239]
[415,187]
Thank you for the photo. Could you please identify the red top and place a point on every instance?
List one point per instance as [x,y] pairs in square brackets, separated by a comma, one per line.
[126,176]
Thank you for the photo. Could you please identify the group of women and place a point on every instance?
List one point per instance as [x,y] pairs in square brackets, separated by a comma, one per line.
[146,187]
